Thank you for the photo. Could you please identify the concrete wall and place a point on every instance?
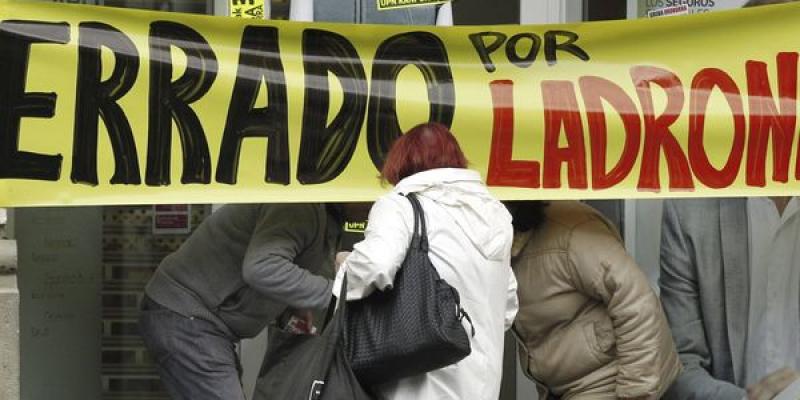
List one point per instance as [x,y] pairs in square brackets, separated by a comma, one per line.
[9,338]
[9,316]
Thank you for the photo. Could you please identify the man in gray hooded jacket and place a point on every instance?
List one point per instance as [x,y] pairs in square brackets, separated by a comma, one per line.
[243,266]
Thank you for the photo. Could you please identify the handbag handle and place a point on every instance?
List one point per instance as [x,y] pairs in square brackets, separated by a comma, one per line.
[329,312]
[337,311]
[341,310]
[420,238]
[420,230]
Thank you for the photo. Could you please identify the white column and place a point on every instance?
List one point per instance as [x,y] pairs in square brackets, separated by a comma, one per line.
[9,316]
[221,8]
[633,9]
[550,11]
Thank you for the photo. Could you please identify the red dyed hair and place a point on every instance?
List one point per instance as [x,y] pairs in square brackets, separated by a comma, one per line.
[426,146]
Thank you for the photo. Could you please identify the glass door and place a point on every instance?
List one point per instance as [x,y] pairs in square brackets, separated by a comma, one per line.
[82,275]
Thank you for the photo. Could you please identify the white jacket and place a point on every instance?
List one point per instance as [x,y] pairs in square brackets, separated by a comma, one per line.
[470,238]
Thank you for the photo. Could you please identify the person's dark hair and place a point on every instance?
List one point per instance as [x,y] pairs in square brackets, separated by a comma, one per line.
[526,214]
[756,3]
[426,146]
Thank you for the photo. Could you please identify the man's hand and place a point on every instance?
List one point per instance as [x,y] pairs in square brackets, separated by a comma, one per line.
[772,385]
[302,322]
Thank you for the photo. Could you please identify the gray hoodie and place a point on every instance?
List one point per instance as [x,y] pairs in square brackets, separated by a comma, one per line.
[246,263]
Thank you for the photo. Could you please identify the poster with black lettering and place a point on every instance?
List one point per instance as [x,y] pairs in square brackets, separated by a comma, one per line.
[252,9]
[394,4]
[670,11]
[75,1]
[112,106]
[659,8]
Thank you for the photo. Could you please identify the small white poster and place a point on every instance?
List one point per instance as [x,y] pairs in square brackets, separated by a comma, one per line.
[661,8]
[682,9]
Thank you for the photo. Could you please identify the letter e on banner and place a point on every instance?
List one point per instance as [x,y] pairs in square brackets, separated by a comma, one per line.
[16,38]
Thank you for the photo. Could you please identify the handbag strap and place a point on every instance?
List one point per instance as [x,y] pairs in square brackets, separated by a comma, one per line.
[332,308]
[420,236]
[329,311]
[337,312]
[342,299]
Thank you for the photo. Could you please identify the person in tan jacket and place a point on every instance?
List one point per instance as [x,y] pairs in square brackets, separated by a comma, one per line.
[589,323]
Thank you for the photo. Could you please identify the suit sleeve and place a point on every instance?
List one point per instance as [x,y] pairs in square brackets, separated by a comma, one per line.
[375,260]
[281,234]
[602,269]
[681,300]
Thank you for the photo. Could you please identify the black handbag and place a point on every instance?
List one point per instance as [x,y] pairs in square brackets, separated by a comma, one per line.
[413,328]
[310,367]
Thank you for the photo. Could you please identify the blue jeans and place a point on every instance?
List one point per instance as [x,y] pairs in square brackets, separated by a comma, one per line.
[195,359]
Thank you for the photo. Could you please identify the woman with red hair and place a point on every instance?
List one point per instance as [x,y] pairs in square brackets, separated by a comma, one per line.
[470,236]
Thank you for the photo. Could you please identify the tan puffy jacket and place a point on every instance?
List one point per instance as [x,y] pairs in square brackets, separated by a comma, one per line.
[591,325]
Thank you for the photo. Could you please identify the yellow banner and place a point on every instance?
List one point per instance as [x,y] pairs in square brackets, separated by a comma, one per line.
[110,106]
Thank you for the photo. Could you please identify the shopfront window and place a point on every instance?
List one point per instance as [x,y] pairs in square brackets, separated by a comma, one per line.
[82,272]
[82,269]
